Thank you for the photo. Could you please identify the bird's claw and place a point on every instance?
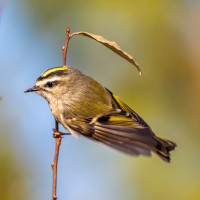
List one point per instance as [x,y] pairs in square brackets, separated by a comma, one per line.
[58,134]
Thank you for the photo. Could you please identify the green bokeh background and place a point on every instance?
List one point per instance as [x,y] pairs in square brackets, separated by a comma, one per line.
[163,37]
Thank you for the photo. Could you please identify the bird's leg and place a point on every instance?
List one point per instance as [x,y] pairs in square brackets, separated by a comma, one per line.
[57,133]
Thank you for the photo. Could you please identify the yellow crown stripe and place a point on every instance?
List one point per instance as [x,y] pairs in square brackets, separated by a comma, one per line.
[45,74]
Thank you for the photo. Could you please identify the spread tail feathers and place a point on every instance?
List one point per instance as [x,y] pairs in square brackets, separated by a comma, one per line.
[164,147]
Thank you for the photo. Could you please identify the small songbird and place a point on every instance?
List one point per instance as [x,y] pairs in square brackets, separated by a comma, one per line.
[85,107]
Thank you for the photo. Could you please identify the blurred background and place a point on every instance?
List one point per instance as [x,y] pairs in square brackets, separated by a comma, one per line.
[162,36]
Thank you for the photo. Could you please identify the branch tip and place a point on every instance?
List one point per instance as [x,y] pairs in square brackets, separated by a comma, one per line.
[68,30]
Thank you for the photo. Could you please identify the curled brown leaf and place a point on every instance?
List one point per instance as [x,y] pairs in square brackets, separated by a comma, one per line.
[112,46]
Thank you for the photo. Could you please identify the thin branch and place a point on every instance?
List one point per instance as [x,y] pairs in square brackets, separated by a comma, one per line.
[54,166]
[56,126]
[64,48]
[57,135]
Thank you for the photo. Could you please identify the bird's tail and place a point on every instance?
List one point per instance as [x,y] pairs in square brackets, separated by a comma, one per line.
[164,147]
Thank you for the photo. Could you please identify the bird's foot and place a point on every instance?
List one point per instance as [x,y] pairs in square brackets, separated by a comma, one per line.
[58,134]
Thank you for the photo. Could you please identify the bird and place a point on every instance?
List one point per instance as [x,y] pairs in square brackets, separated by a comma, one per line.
[84,107]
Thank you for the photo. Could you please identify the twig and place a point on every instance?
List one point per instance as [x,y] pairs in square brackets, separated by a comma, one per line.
[56,130]
[56,126]
[54,166]
[64,48]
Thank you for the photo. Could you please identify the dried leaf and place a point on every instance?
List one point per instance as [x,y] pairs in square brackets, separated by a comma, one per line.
[111,45]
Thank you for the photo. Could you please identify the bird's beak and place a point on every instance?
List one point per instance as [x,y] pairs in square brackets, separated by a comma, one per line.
[33,89]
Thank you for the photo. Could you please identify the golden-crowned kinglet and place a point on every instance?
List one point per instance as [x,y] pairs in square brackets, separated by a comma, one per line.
[85,107]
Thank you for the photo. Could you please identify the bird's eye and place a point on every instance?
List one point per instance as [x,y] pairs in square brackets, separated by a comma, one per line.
[50,84]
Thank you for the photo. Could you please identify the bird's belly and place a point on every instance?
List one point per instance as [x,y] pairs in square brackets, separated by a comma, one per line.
[58,110]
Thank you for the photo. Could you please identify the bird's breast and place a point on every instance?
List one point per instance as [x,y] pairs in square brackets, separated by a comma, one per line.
[56,109]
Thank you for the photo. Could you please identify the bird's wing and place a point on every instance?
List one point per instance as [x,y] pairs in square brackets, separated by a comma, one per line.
[119,104]
[119,131]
